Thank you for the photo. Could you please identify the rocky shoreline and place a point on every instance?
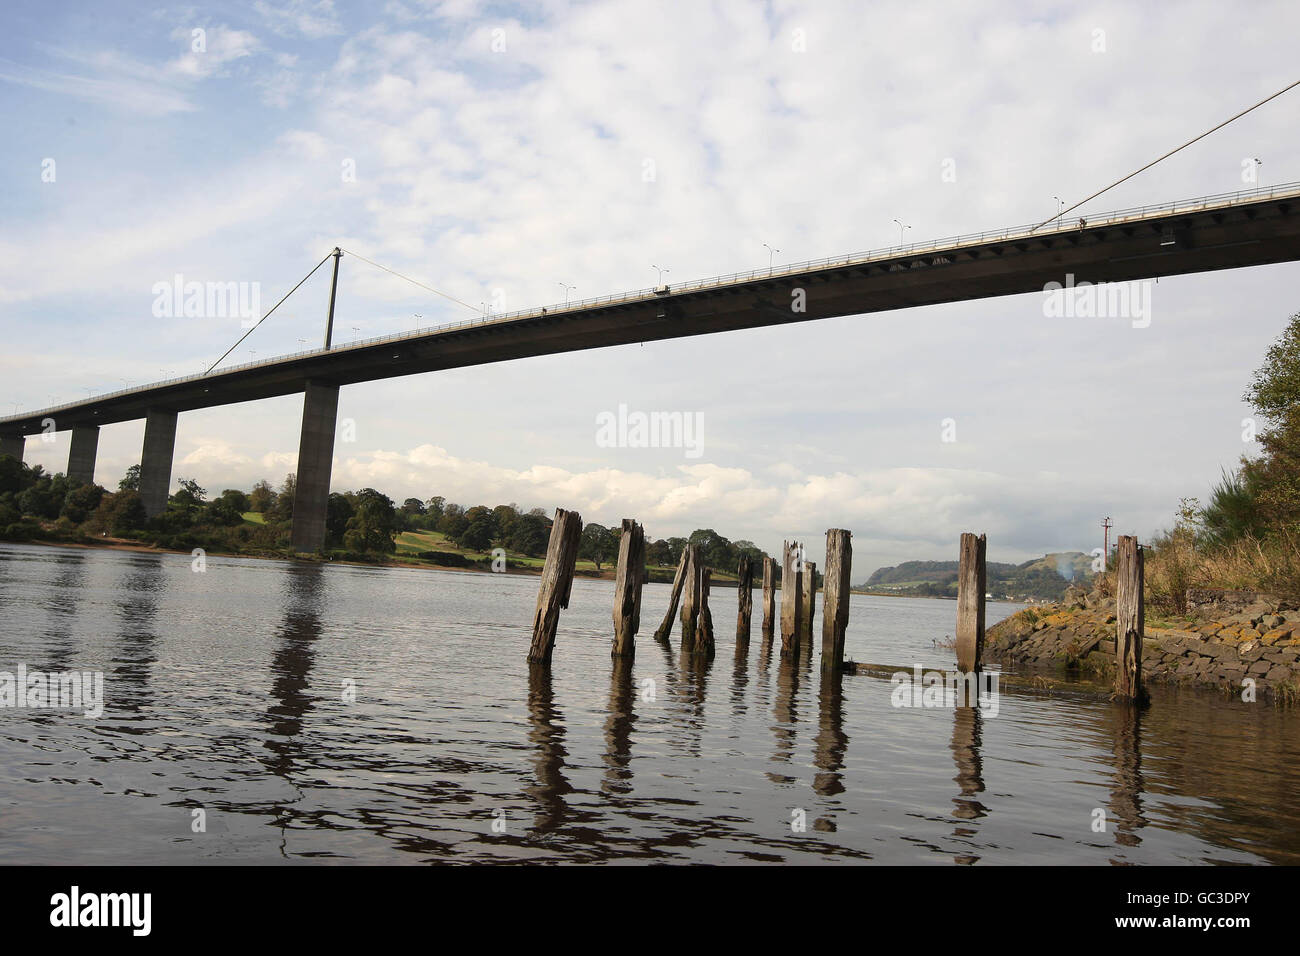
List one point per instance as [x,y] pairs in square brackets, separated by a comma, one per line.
[1224,641]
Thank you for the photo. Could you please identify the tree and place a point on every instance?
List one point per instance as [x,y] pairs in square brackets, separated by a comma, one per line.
[506,516]
[1274,390]
[453,522]
[1273,479]
[262,498]
[338,512]
[237,500]
[480,529]
[283,508]
[131,480]
[374,524]
[598,544]
[434,509]
[413,506]
[80,502]
[529,535]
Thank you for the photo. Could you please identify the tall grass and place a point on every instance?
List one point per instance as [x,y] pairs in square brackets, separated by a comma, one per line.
[1177,560]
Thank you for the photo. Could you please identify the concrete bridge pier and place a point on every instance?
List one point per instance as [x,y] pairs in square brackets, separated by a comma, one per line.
[81,453]
[13,445]
[156,460]
[320,408]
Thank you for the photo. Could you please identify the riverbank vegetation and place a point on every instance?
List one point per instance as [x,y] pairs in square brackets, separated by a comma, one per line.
[362,526]
[1247,534]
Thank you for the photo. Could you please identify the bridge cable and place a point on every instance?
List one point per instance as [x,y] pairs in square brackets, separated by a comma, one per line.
[413,281]
[1167,155]
[268,314]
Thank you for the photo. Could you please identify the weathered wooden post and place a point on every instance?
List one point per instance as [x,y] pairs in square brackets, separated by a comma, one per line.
[666,627]
[627,588]
[807,605]
[835,597]
[769,598]
[691,597]
[1130,626]
[744,599]
[557,583]
[791,593]
[970,603]
[704,629]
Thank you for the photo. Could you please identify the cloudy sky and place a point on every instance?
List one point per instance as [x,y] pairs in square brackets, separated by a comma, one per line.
[496,151]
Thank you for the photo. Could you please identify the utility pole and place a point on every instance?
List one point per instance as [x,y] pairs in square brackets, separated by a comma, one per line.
[1105,551]
[334,287]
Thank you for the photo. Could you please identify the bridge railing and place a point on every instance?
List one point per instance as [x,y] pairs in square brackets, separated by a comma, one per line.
[950,243]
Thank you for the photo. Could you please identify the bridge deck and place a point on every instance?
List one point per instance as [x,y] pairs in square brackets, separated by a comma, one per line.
[1231,230]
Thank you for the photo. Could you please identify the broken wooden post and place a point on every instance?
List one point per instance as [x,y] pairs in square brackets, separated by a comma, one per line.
[970,603]
[666,628]
[704,628]
[745,600]
[557,583]
[807,605]
[691,597]
[835,597]
[791,593]
[769,598]
[1130,626]
[627,588]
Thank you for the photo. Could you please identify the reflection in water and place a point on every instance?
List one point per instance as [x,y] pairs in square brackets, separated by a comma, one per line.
[1126,795]
[618,729]
[142,584]
[546,731]
[832,743]
[740,679]
[62,603]
[967,727]
[786,713]
[291,665]
[693,693]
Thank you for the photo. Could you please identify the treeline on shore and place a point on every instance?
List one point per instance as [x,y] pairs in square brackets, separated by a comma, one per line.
[359,525]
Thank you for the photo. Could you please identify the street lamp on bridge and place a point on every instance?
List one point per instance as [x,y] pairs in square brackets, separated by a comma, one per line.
[770,253]
[901,227]
[661,274]
[567,289]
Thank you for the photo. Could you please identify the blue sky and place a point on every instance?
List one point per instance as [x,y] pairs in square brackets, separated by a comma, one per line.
[500,150]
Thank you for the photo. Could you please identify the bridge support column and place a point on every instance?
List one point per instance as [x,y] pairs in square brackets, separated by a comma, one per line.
[81,453]
[156,460]
[315,460]
[13,445]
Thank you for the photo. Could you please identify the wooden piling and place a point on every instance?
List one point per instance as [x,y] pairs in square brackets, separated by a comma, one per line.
[970,602]
[769,598]
[745,600]
[704,627]
[807,605]
[557,583]
[691,597]
[665,629]
[835,597]
[791,594]
[1130,626]
[627,588]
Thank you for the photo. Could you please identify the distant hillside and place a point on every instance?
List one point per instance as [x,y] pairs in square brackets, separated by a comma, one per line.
[1043,579]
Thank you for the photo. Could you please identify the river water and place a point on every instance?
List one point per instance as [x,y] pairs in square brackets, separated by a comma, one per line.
[274,711]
